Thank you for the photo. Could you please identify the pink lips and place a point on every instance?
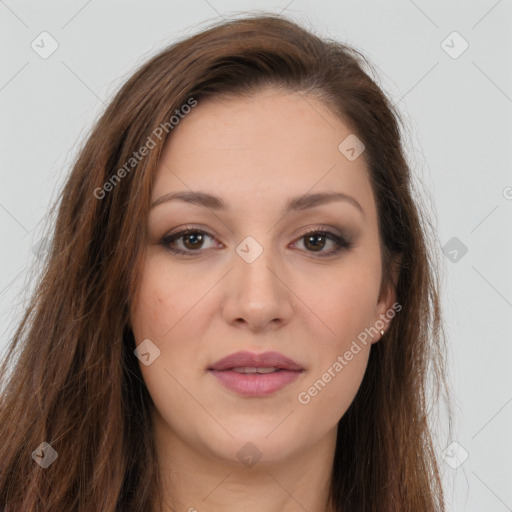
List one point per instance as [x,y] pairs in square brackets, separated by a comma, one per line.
[256,384]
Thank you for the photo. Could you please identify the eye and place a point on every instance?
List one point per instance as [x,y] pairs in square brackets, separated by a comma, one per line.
[192,241]
[315,241]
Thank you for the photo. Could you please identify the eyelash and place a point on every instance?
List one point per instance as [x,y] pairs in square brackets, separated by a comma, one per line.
[342,243]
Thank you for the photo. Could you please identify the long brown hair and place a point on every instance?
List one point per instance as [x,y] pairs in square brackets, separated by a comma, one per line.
[74,381]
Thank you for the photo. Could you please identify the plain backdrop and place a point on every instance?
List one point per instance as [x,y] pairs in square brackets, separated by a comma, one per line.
[447,67]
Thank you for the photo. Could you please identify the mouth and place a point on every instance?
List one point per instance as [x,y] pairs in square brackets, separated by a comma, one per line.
[251,374]
[252,369]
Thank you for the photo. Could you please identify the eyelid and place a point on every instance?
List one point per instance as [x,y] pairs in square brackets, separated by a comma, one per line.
[321,228]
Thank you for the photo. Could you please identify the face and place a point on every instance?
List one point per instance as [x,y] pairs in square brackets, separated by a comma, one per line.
[253,276]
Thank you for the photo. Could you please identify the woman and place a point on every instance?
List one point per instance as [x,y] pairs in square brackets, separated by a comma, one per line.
[240,306]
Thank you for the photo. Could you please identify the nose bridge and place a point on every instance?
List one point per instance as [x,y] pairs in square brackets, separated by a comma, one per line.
[257,295]
[255,264]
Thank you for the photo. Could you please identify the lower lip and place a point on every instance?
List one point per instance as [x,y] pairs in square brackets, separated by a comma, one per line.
[255,384]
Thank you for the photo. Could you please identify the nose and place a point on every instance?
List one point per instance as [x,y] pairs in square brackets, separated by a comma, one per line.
[257,296]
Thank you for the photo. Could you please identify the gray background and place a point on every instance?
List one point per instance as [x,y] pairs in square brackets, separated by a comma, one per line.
[458,114]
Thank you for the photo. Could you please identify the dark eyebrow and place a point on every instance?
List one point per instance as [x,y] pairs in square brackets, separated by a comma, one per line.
[295,203]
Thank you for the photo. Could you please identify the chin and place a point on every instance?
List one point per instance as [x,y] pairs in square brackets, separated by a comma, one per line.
[256,442]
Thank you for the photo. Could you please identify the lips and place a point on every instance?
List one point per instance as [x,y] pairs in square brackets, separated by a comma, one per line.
[255,375]
[250,360]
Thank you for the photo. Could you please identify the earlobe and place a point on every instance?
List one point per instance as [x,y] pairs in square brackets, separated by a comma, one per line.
[385,312]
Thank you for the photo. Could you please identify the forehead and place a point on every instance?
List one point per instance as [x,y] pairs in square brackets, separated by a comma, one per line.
[263,147]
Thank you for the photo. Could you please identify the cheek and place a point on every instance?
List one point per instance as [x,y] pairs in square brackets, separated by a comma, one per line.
[330,395]
[340,360]
[160,313]
[346,302]
[346,305]
[157,310]
[158,303]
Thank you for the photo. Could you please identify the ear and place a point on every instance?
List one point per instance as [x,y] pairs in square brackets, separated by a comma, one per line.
[387,306]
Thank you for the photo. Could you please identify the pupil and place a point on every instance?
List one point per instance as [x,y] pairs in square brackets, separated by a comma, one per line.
[196,239]
[310,239]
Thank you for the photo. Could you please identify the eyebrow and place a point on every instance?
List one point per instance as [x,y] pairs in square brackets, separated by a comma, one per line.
[293,204]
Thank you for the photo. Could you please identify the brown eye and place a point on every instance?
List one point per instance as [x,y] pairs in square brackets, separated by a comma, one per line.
[315,242]
[188,241]
[193,240]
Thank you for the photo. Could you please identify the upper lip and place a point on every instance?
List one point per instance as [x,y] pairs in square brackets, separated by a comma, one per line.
[248,359]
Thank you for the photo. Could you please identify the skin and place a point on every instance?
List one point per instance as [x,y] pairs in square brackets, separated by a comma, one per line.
[256,153]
